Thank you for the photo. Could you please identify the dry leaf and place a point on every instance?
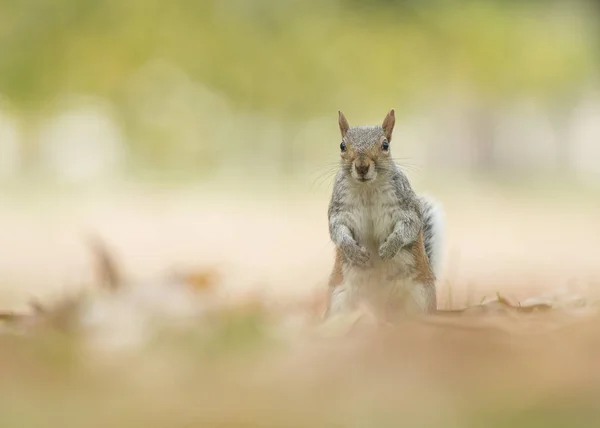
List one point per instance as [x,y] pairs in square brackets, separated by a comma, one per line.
[201,280]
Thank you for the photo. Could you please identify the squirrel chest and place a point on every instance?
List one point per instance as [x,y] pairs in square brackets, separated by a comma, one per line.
[374,214]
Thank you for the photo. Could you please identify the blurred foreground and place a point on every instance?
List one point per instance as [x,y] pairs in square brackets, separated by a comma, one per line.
[178,351]
[213,317]
[231,370]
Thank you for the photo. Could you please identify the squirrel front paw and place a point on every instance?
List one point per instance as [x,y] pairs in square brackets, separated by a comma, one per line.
[357,255]
[389,249]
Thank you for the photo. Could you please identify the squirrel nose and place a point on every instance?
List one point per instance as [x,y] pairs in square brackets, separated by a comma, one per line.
[362,169]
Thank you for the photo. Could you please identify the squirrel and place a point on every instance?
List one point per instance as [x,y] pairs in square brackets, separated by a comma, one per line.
[388,239]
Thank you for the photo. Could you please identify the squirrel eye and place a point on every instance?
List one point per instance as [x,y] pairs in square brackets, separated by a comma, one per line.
[343,146]
[385,145]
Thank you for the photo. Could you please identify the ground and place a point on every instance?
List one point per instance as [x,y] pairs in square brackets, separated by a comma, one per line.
[250,364]
[498,239]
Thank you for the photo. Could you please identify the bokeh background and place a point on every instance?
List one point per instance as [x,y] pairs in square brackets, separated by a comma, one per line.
[205,133]
[200,138]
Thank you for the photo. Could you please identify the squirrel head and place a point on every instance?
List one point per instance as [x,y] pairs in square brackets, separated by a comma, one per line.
[365,150]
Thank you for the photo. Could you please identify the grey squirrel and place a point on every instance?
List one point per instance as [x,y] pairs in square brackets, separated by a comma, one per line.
[388,239]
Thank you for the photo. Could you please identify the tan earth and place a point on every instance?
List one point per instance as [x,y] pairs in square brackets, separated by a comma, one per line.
[276,241]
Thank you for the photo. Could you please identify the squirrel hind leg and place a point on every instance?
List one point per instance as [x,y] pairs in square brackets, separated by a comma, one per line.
[433,231]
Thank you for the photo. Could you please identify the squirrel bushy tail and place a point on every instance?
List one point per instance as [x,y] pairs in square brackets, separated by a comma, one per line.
[433,232]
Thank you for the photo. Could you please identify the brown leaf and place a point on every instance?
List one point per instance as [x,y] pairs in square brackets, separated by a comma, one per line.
[107,268]
[202,280]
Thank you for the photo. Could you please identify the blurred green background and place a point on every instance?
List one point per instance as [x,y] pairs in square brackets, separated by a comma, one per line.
[92,89]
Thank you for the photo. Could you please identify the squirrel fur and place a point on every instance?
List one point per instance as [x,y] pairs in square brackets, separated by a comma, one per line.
[388,239]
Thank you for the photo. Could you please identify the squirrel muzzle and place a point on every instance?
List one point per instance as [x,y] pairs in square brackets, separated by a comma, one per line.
[363,169]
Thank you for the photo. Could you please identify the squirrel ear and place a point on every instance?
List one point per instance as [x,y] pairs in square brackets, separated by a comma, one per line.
[388,124]
[343,123]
